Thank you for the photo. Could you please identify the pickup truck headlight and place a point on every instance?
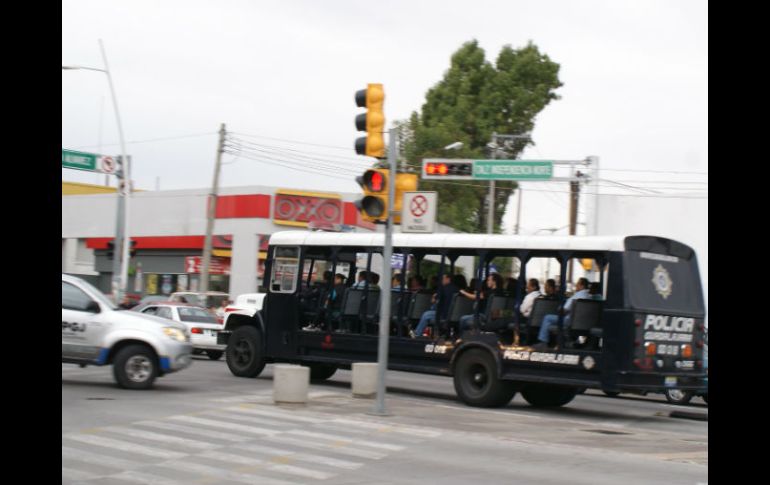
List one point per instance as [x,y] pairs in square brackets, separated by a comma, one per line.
[175,334]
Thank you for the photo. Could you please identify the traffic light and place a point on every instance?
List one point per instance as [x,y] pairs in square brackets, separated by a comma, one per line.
[405,182]
[372,122]
[439,169]
[374,205]
[132,248]
[110,249]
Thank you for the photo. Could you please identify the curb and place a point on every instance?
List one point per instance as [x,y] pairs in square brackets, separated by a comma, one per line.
[689,415]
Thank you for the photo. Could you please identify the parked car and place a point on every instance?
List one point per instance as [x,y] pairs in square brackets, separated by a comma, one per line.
[151,298]
[201,324]
[205,300]
[139,347]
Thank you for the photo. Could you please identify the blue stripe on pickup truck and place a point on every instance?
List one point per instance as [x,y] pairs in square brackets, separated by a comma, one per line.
[164,363]
[102,358]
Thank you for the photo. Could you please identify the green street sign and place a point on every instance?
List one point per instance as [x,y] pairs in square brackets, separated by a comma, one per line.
[92,162]
[512,169]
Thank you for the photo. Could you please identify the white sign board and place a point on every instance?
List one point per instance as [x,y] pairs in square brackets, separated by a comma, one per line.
[418,211]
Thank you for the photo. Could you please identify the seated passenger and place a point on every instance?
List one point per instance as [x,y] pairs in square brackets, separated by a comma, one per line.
[552,319]
[361,280]
[494,286]
[533,291]
[549,289]
[444,296]
[595,290]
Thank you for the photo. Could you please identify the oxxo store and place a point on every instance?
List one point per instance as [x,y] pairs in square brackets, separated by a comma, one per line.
[168,230]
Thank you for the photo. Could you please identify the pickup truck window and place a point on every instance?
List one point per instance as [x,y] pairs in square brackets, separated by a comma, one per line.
[73,298]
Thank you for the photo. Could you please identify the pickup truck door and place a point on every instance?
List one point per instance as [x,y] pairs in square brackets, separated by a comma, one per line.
[81,328]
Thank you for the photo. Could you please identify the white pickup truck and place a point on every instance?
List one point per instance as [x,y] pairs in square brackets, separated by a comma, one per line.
[242,313]
[140,347]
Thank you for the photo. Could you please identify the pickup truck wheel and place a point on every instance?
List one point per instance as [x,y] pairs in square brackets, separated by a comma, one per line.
[476,381]
[215,354]
[675,396]
[543,395]
[244,354]
[135,367]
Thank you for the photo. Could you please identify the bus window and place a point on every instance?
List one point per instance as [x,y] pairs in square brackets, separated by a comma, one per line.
[285,270]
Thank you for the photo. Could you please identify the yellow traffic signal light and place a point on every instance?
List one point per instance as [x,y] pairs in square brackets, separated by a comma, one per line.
[374,205]
[372,122]
[405,182]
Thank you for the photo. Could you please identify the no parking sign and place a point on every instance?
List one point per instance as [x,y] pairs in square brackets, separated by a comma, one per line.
[418,212]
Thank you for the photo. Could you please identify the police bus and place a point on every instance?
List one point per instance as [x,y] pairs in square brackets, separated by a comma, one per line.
[644,334]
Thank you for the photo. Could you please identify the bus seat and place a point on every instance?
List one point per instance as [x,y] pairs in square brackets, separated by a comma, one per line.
[419,304]
[500,313]
[586,319]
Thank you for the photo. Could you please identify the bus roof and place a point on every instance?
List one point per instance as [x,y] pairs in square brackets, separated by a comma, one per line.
[451,240]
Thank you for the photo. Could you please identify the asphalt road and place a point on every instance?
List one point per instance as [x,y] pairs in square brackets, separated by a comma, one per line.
[203,425]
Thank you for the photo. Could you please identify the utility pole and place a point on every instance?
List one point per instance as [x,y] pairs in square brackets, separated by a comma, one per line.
[387,252]
[211,213]
[491,208]
[574,192]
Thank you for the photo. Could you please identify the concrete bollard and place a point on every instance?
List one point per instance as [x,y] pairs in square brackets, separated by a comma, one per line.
[364,380]
[290,383]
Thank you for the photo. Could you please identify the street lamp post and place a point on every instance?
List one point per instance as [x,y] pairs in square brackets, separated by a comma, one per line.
[120,265]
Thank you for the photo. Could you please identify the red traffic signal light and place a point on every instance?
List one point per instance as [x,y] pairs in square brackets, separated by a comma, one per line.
[433,169]
[374,204]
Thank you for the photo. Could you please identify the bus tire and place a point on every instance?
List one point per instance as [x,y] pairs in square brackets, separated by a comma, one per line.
[244,354]
[476,381]
[321,372]
[543,395]
[675,396]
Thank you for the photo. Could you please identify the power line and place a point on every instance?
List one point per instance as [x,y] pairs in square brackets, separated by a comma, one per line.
[150,140]
[291,141]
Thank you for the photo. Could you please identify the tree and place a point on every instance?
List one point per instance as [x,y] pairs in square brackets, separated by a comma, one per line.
[472,101]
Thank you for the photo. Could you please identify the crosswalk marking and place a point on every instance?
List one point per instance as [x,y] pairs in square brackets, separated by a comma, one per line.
[333,437]
[164,438]
[301,456]
[225,425]
[279,415]
[414,431]
[336,448]
[283,468]
[146,478]
[126,446]
[71,474]
[95,459]
[210,471]
[249,419]
[192,430]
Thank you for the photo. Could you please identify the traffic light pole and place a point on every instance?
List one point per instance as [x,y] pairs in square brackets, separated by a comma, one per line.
[387,252]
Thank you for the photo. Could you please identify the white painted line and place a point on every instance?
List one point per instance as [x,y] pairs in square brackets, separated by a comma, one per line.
[421,432]
[250,419]
[96,459]
[146,478]
[283,468]
[327,447]
[333,437]
[301,456]
[126,446]
[196,431]
[169,440]
[212,472]
[225,425]
[281,415]
[71,474]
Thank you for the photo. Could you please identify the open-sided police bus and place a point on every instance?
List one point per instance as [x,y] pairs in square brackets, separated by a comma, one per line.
[644,334]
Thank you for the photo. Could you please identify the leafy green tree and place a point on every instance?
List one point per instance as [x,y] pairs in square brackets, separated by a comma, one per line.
[473,100]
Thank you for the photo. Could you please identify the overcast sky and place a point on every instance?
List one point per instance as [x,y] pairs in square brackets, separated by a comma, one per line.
[635,91]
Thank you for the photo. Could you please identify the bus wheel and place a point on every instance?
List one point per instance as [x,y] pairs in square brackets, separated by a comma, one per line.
[476,381]
[244,354]
[321,372]
[675,396]
[541,395]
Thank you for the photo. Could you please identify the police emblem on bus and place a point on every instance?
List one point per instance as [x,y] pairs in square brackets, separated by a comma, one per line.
[662,281]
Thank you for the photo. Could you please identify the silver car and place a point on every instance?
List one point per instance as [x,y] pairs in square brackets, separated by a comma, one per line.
[139,347]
